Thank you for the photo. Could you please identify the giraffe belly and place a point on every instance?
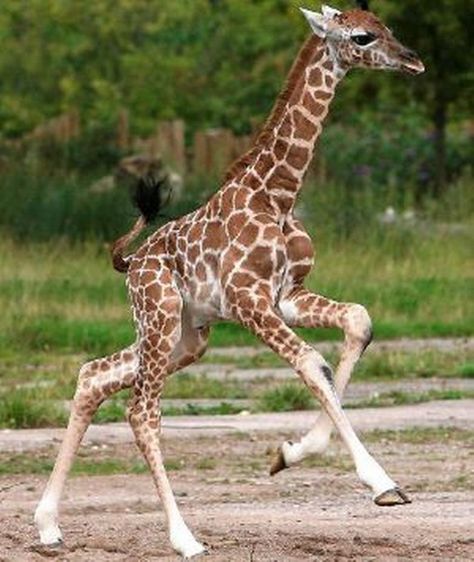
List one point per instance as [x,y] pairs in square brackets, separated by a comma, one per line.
[203,304]
[202,314]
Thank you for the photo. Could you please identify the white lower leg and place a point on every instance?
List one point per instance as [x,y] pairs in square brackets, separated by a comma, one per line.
[120,369]
[46,515]
[181,538]
[368,469]
[316,441]
[46,519]
[317,376]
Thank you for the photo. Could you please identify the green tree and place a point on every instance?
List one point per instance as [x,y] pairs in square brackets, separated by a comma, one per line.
[441,32]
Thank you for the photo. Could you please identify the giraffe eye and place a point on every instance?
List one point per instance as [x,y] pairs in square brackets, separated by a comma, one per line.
[363,39]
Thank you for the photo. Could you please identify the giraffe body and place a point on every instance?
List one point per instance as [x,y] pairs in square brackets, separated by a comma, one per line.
[243,257]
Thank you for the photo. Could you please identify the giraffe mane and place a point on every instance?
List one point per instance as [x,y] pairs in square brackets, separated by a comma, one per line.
[294,77]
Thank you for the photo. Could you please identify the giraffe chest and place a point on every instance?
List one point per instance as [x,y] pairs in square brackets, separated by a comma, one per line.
[300,252]
[210,263]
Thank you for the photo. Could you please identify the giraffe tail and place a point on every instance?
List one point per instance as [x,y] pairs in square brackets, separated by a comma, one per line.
[148,199]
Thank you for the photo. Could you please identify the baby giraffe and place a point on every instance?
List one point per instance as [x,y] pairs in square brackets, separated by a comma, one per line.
[243,256]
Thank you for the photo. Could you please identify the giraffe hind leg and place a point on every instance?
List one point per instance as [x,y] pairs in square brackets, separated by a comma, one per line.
[97,381]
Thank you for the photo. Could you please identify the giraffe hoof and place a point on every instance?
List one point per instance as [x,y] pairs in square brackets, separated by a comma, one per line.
[48,550]
[278,463]
[396,496]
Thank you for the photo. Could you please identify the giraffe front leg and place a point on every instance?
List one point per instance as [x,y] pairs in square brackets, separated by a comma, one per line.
[158,312]
[256,313]
[385,491]
[304,309]
[97,381]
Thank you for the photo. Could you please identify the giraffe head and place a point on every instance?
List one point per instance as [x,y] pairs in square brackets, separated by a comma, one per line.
[357,38]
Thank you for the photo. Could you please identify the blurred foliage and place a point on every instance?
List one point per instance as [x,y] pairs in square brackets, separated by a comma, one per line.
[394,153]
[211,63]
[220,63]
[184,58]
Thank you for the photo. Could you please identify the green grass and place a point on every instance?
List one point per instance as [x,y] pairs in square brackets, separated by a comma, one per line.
[185,386]
[399,398]
[58,296]
[420,435]
[286,397]
[42,464]
[385,365]
[19,410]
[49,379]
[26,410]
[114,411]
[222,409]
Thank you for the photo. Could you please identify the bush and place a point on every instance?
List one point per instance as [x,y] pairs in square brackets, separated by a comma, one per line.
[393,153]
[51,206]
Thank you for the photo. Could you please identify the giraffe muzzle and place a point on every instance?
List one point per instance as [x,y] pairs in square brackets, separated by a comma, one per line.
[411,63]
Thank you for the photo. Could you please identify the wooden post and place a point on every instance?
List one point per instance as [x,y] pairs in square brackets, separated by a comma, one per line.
[214,151]
[123,131]
[169,143]
[200,164]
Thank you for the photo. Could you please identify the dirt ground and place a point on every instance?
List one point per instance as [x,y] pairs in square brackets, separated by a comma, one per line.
[318,511]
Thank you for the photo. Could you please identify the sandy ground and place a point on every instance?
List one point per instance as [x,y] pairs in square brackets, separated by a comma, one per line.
[318,511]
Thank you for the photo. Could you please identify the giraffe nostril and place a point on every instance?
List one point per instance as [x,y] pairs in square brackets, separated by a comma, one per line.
[410,55]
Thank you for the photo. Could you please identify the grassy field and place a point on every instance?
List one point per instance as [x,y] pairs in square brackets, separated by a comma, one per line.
[35,387]
[63,303]
[63,297]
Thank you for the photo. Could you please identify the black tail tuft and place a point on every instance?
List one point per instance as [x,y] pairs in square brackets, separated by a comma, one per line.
[149,197]
[363,4]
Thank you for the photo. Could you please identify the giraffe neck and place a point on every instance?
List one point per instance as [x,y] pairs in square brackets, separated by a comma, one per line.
[284,149]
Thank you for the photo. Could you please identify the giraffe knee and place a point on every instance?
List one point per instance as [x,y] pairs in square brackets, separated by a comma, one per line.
[88,397]
[133,412]
[84,378]
[358,325]
[314,369]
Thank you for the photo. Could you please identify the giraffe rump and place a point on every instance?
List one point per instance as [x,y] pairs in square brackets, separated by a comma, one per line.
[147,197]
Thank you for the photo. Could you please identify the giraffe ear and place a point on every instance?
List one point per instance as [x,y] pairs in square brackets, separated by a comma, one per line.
[316,21]
[329,12]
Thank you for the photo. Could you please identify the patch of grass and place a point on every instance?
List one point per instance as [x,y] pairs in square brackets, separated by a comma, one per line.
[20,410]
[389,365]
[206,463]
[223,409]
[26,464]
[340,462]
[466,370]
[286,397]
[421,435]
[111,411]
[184,386]
[42,463]
[264,359]
[423,364]
[399,398]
